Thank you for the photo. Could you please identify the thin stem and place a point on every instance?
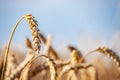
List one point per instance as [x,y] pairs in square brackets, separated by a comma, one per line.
[30,63]
[81,60]
[7,50]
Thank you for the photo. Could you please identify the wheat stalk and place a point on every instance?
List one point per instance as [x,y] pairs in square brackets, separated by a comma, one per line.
[53,70]
[25,73]
[40,68]
[11,65]
[50,62]
[36,39]
[69,68]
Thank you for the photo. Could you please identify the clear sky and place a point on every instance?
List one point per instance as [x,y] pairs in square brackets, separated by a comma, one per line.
[67,20]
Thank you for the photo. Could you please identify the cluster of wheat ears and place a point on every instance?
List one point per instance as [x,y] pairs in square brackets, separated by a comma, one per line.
[50,67]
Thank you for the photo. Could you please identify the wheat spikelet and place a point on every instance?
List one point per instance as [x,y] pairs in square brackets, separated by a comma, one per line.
[110,54]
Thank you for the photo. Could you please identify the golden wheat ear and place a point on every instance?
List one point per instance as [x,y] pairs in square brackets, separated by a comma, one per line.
[110,53]
[35,33]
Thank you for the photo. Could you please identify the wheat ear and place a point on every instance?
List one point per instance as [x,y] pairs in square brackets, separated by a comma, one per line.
[110,54]
[36,39]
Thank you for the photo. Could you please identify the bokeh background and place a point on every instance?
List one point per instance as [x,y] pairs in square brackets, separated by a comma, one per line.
[83,23]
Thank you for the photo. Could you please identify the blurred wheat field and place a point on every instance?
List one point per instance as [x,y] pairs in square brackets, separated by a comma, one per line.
[48,65]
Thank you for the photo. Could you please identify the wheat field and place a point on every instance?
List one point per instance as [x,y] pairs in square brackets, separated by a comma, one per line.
[48,65]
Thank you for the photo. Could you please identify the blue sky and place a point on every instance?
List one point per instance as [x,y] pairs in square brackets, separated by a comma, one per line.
[67,20]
